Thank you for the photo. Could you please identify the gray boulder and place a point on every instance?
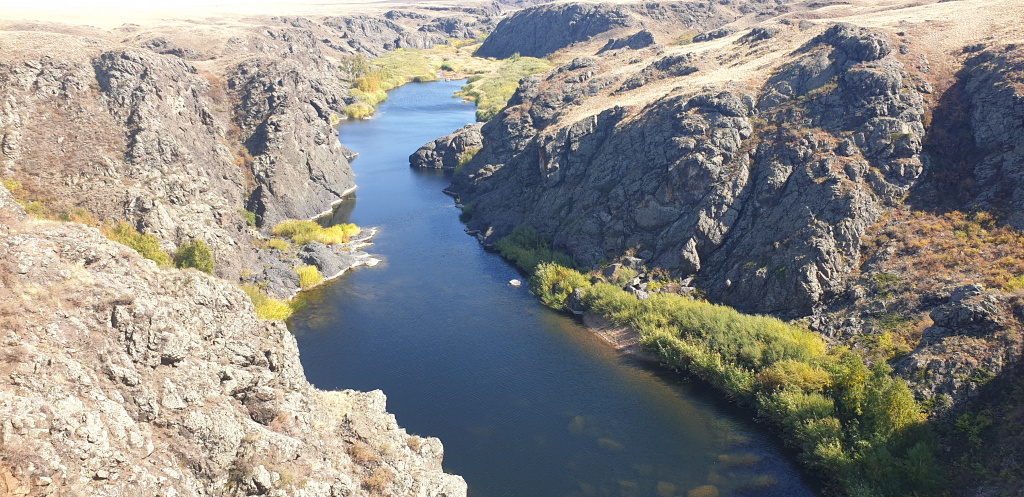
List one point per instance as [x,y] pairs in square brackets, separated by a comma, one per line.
[447,151]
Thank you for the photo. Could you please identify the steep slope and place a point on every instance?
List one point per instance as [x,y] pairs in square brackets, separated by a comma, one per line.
[126,379]
[545,29]
[691,179]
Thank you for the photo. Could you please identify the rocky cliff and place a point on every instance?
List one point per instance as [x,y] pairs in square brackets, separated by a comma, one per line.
[834,183]
[691,179]
[542,30]
[126,379]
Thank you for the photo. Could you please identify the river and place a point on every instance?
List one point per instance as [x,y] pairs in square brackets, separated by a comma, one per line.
[526,401]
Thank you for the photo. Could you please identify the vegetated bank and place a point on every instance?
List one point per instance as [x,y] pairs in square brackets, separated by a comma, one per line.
[857,426]
[492,82]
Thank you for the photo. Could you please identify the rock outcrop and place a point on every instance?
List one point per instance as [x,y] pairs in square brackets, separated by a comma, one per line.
[127,135]
[691,180]
[542,30]
[447,151]
[122,378]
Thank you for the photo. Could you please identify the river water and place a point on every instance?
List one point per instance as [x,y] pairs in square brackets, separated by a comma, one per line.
[525,400]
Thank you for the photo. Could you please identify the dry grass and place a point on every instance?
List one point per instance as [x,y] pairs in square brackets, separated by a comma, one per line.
[379,480]
[363,454]
[935,250]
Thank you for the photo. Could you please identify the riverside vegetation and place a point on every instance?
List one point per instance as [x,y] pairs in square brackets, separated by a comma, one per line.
[858,424]
[491,81]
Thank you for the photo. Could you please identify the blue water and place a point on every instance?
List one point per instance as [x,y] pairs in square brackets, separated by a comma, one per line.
[526,401]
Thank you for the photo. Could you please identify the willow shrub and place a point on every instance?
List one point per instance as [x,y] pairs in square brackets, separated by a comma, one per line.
[859,426]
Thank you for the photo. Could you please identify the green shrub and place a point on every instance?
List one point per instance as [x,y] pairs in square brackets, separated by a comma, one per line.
[249,217]
[147,245]
[525,248]
[267,308]
[466,157]
[309,276]
[624,276]
[466,214]
[195,254]
[553,284]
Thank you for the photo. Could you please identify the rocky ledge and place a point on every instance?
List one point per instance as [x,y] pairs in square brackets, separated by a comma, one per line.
[122,378]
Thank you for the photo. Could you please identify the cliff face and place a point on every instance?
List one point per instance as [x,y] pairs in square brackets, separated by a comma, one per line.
[126,379]
[762,196]
[545,29]
[126,134]
[122,378]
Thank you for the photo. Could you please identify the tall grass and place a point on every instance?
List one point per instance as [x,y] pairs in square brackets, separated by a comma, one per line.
[491,91]
[303,232]
[859,427]
[309,277]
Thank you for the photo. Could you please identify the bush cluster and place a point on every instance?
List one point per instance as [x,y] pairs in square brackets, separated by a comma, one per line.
[195,254]
[859,426]
[525,248]
[303,232]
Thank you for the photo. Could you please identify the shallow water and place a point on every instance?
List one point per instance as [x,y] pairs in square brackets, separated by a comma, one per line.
[526,401]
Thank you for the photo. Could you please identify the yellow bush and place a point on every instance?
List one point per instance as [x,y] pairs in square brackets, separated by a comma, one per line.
[147,245]
[789,373]
[309,276]
[279,244]
[303,232]
[267,308]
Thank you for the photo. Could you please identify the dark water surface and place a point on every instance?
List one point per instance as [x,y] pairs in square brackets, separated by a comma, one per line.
[526,401]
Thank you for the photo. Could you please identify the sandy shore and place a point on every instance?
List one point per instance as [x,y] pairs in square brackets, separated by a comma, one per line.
[622,338]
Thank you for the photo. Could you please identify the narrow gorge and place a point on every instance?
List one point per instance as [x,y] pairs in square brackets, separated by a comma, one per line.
[844,174]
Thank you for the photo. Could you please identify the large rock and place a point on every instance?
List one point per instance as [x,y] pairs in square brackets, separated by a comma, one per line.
[128,135]
[447,151]
[973,340]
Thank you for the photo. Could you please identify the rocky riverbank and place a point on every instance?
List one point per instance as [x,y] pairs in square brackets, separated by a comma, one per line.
[123,377]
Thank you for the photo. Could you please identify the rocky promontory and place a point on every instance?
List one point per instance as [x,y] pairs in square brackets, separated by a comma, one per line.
[127,379]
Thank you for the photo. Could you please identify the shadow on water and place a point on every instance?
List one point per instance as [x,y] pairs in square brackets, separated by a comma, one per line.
[526,401]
